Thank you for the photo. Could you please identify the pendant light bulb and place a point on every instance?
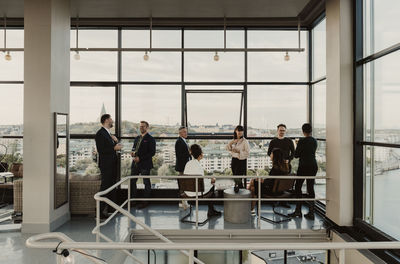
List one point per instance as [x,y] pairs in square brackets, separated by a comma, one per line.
[77,56]
[216,56]
[146,56]
[287,57]
[8,56]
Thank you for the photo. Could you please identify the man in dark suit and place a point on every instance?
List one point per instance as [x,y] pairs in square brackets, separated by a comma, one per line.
[107,145]
[181,151]
[144,148]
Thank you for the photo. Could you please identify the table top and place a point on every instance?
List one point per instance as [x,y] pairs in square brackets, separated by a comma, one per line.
[242,192]
[6,174]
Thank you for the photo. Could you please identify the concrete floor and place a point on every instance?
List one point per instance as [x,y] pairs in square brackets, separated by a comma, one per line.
[79,228]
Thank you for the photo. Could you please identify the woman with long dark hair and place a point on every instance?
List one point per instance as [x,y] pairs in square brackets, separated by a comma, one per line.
[279,167]
[240,150]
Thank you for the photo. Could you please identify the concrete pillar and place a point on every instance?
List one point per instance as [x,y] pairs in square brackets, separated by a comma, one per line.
[46,90]
[339,114]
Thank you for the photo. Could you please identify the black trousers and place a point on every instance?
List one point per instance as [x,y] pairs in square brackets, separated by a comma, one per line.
[135,170]
[239,167]
[108,179]
[305,171]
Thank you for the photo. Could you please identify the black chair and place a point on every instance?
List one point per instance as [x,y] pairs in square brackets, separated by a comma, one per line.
[282,188]
[189,185]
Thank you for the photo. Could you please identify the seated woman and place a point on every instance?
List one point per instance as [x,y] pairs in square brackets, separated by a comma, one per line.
[193,167]
[279,167]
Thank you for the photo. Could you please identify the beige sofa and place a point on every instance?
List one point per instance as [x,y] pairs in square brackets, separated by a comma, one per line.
[82,190]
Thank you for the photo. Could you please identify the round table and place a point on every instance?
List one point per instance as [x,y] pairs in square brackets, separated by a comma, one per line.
[237,212]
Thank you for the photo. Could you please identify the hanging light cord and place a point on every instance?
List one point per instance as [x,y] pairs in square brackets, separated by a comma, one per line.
[5,33]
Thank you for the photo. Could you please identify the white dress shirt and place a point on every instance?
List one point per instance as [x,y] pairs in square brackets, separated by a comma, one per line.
[193,167]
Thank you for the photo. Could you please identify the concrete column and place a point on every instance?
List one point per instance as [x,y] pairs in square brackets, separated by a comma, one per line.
[46,90]
[339,112]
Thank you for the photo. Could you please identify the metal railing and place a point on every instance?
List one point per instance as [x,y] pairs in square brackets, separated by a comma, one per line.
[119,208]
[37,242]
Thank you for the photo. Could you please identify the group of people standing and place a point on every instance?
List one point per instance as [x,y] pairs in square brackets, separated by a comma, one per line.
[143,150]
[281,150]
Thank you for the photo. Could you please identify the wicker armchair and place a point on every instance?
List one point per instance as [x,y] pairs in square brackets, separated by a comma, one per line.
[18,196]
[82,190]
[81,196]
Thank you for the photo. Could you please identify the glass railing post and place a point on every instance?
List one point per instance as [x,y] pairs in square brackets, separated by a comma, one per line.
[197,203]
[259,203]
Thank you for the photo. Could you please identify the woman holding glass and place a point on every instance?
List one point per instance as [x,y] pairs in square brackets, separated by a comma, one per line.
[239,149]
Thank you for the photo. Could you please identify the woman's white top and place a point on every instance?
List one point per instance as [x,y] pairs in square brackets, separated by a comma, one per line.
[193,167]
[242,145]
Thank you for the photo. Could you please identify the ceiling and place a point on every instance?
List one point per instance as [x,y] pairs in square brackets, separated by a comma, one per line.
[284,10]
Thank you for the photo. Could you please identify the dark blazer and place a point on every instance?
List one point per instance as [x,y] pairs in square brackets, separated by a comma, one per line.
[182,154]
[105,149]
[146,151]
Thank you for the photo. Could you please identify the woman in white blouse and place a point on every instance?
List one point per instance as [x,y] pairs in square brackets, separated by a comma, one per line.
[240,150]
[193,167]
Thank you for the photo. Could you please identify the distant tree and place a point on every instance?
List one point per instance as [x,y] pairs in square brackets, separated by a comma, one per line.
[261,172]
[126,167]
[92,169]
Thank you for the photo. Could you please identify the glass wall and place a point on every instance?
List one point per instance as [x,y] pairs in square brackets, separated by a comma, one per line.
[378,145]
[318,89]
[171,89]
[12,103]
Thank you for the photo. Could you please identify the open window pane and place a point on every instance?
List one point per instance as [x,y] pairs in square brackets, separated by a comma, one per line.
[213,113]
[319,110]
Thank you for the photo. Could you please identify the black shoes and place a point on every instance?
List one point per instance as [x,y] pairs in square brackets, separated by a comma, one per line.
[295,214]
[213,212]
[309,216]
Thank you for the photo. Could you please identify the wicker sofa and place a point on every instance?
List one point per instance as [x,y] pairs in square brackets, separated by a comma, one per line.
[82,190]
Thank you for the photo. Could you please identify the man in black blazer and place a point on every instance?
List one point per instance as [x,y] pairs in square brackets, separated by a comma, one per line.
[144,148]
[107,146]
[181,151]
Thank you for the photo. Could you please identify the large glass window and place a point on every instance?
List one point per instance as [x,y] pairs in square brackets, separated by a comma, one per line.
[379,138]
[269,106]
[319,109]
[94,65]
[11,109]
[319,50]
[271,66]
[201,66]
[383,179]
[12,149]
[87,104]
[158,105]
[83,157]
[381,25]
[382,95]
